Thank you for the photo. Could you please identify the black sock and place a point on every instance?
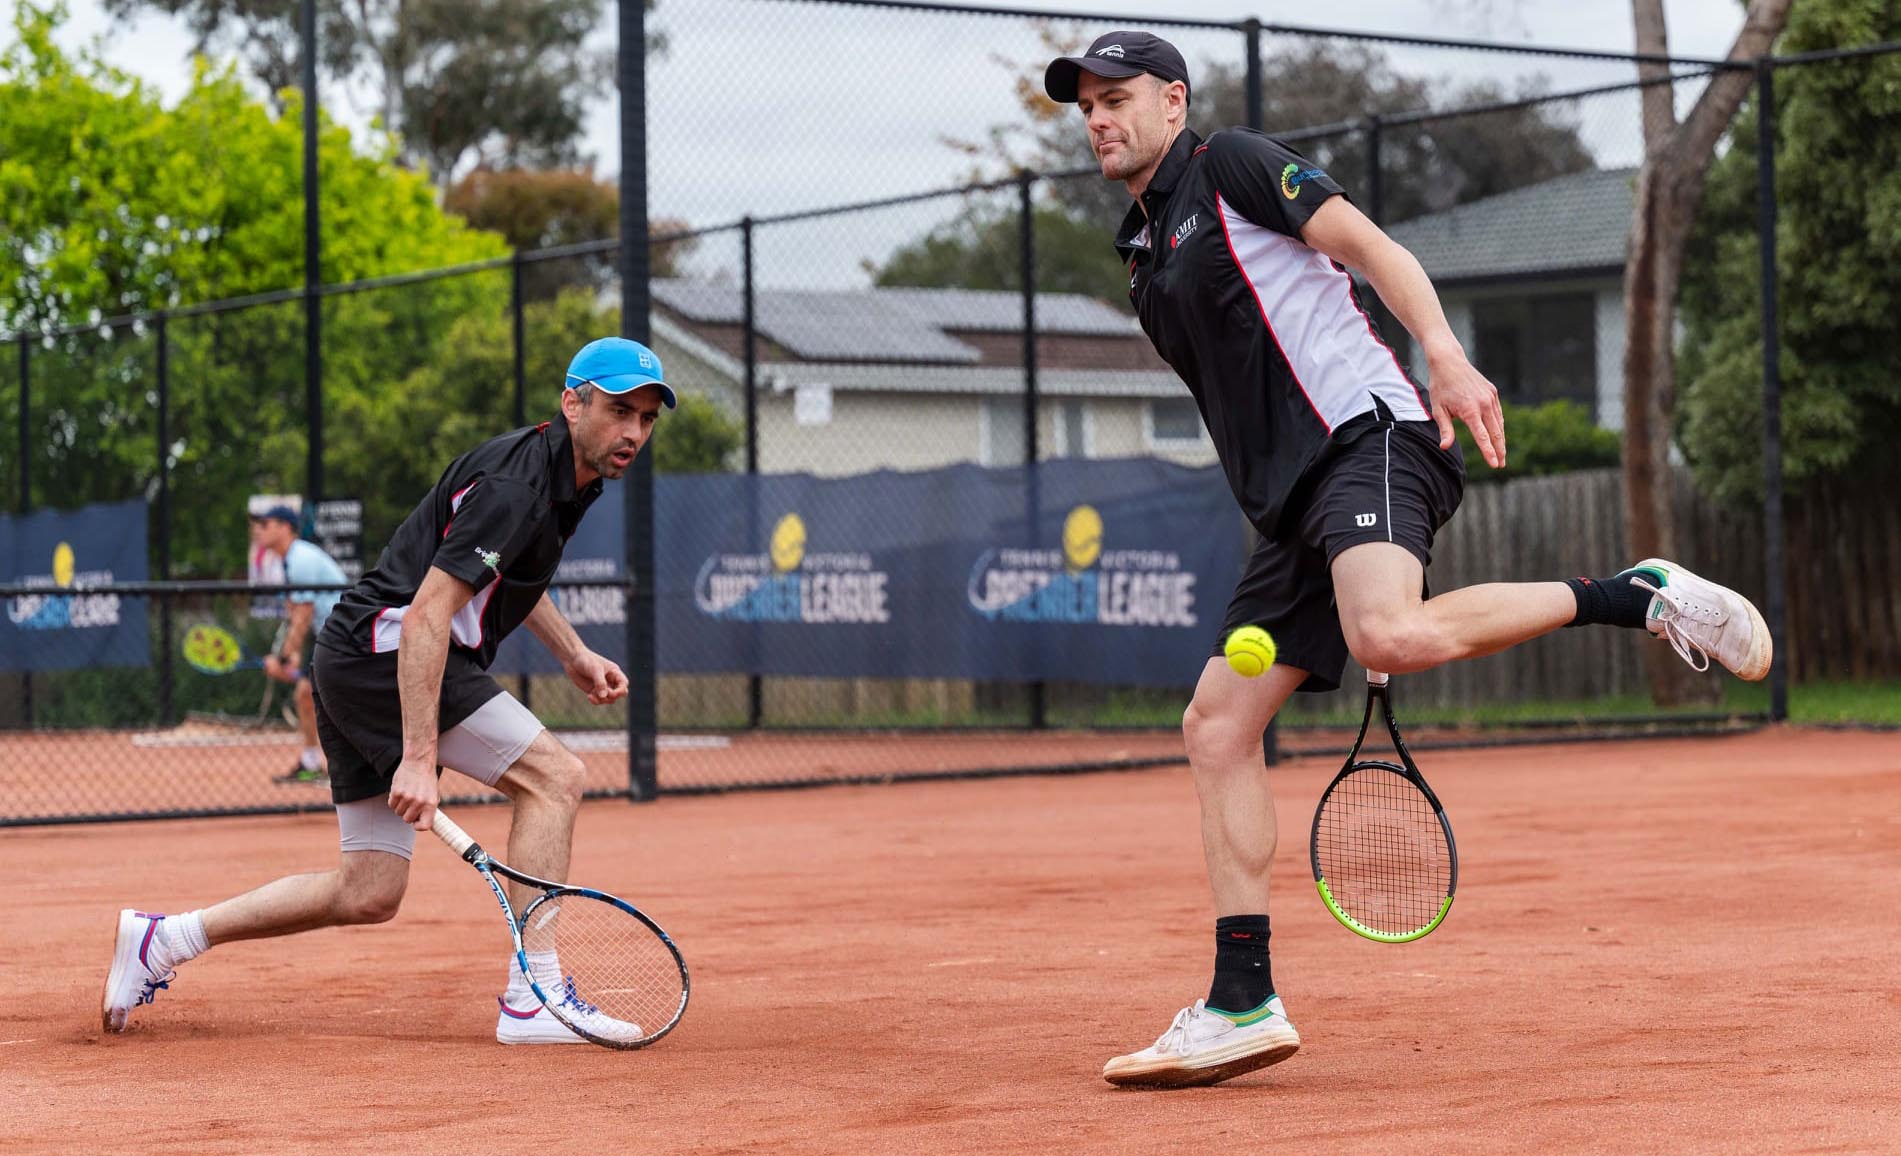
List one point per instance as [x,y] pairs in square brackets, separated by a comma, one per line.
[1611,601]
[1243,977]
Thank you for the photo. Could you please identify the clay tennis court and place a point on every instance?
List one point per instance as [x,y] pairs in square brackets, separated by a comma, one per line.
[1670,946]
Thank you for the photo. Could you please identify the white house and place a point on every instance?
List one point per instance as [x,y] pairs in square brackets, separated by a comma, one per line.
[861,379]
[1533,285]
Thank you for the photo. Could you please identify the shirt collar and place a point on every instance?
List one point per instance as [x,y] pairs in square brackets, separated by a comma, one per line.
[1134,233]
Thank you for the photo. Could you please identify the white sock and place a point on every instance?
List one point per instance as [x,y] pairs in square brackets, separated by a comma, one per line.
[311,759]
[184,936]
[547,969]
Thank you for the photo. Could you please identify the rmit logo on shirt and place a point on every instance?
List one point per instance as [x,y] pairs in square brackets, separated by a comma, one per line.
[1184,230]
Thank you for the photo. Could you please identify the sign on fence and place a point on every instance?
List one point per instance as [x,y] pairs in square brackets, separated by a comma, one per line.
[1103,571]
[62,554]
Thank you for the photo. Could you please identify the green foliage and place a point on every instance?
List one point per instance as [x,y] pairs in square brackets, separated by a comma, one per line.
[506,82]
[1838,248]
[1554,438]
[981,249]
[111,203]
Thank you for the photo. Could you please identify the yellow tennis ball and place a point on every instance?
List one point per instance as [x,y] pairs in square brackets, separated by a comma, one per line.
[1250,651]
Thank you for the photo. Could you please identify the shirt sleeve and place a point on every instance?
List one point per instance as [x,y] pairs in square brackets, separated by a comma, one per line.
[491,525]
[298,568]
[1266,182]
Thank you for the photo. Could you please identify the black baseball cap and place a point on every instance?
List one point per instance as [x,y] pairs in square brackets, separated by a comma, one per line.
[1115,55]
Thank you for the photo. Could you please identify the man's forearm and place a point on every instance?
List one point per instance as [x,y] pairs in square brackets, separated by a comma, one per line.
[419,666]
[299,626]
[1403,286]
[554,630]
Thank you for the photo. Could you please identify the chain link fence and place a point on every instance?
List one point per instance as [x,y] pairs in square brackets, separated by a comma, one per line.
[918,398]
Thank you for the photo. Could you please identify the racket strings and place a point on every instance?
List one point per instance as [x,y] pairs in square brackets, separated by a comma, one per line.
[618,980]
[1383,852]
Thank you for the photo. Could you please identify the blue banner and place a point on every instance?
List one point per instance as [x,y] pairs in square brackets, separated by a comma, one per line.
[61,554]
[1108,571]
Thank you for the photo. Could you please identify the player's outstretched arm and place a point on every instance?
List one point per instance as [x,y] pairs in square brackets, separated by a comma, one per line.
[603,681]
[1344,234]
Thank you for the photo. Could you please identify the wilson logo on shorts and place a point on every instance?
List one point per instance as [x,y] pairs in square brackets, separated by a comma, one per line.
[1366,519]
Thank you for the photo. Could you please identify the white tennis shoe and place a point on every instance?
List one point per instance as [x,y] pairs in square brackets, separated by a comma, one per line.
[1204,1047]
[1703,620]
[524,1020]
[141,966]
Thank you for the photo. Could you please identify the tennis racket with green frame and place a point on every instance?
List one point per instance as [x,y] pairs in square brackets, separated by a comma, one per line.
[1383,856]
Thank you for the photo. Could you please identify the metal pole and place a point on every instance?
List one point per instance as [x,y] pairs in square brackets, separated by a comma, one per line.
[1771,390]
[1375,188]
[643,721]
[165,715]
[749,347]
[313,306]
[1256,114]
[26,493]
[1026,230]
[524,687]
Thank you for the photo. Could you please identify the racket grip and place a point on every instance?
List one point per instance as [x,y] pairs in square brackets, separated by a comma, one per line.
[446,830]
[1373,678]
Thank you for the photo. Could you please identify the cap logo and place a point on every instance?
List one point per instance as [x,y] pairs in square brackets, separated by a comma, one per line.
[1114,50]
[646,362]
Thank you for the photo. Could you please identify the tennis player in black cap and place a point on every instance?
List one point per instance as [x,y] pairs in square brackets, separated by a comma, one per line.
[1237,248]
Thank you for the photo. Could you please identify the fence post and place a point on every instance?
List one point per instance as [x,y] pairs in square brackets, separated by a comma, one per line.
[749,354]
[313,305]
[164,368]
[1026,234]
[1256,115]
[1375,190]
[524,687]
[643,692]
[1773,577]
[26,495]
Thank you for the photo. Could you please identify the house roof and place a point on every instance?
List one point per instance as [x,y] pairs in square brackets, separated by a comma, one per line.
[1568,225]
[889,325]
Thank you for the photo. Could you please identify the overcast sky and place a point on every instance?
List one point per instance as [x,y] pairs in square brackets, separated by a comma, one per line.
[763,107]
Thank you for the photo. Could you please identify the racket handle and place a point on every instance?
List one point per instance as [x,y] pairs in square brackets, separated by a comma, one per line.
[446,830]
[1373,678]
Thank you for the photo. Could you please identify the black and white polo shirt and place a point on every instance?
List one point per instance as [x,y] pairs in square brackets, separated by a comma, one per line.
[1269,334]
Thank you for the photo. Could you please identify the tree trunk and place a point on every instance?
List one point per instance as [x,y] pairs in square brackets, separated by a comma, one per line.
[1669,189]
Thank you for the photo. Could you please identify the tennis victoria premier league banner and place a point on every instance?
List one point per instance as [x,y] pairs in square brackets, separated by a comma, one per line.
[936,574]
[60,554]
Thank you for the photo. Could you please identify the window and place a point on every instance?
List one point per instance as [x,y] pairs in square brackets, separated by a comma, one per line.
[1538,349]
[1173,423]
[1000,431]
[1069,430]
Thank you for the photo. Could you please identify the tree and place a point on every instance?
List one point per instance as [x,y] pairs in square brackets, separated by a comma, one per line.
[503,81]
[981,248]
[1838,186]
[1677,156]
[111,203]
[540,209]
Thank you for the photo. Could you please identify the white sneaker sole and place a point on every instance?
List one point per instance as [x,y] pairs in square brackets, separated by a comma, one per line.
[1210,1067]
[1755,665]
[121,993]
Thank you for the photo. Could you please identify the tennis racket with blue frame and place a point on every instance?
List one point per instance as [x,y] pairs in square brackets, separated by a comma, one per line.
[616,979]
[1383,856]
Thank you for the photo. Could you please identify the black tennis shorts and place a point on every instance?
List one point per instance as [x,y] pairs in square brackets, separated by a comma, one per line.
[1385,482]
[360,714]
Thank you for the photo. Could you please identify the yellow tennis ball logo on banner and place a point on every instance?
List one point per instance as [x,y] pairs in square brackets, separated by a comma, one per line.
[1082,537]
[1250,651]
[63,565]
[788,543]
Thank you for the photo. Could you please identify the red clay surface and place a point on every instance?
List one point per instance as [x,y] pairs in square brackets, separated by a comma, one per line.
[1665,946]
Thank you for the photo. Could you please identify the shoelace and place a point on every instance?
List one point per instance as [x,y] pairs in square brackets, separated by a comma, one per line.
[1175,1039]
[572,998]
[148,991]
[1691,651]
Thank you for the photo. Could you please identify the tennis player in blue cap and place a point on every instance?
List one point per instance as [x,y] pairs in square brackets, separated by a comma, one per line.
[402,689]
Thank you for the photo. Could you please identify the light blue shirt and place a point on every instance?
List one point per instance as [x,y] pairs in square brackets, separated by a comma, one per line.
[306,562]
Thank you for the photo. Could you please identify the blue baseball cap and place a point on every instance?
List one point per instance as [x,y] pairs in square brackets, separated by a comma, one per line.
[280,513]
[617,365]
